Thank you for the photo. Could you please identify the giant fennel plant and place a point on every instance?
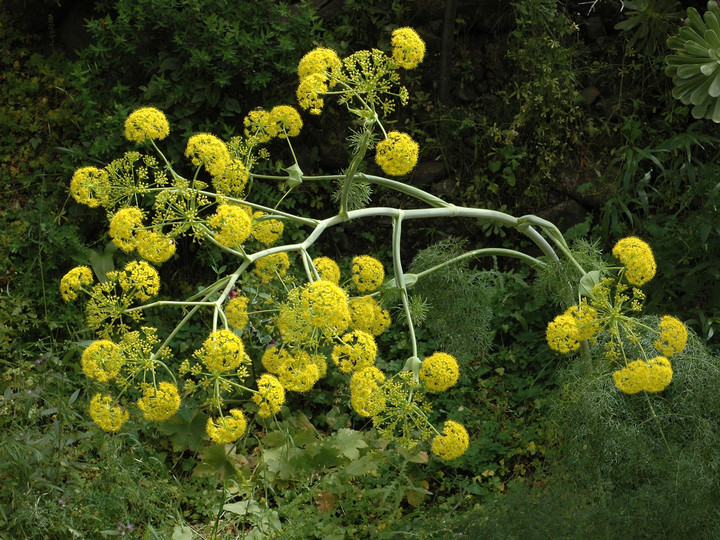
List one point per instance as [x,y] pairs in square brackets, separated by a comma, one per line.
[324,321]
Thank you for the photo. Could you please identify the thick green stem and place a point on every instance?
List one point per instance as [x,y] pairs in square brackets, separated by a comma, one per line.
[352,169]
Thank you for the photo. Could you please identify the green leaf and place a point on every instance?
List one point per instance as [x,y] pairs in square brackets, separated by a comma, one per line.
[219,460]
[181,532]
[102,263]
[359,467]
[295,176]
[588,282]
[349,442]
[186,430]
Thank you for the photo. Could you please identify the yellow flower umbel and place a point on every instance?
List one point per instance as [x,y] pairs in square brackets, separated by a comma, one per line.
[301,371]
[367,315]
[637,258]
[357,352]
[146,124]
[285,122]
[74,281]
[673,336]
[159,404]
[327,269]
[231,225]
[154,246]
[89,186]
[267,231]
[233,179]
[270,395]
[319,61]
[236,312]
[206,149]
[227,429]
[367,396]
[452,442]
[309,91]
[140,279]
[123,225]
[222,351]
[439,372]
[106,414]
[586,319]
[326,306]
[651,376]
[408,48]
[562,334]
[258,125]
[102,360]
[367,273]
[272,266]
[398,154]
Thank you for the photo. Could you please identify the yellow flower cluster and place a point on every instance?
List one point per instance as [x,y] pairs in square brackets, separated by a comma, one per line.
[408,48]
[357,351]
[298,371]
[266,231]
[566,331]
[272,266]
[285,122]
[325,306]
[233,179]
[208,150]
[106,414]
[146,124]
[586,319]
[159,404]
[398,154]
[651,376]
[140,279]
[73,282]
[232,225]
[452,442]
[222,351]
[123,225]
[367,273]
[367,396]
[102,360]
[309,91]
[258,125]
[638,259]
[327,269]
[270,395]
[673,336]
[439,372]
[236,312]
[367,315]
[154,246]
[89,186]
[227,429]
[320,60]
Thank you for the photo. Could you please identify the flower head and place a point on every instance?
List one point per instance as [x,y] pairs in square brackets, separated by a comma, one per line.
[651,376]
[102,360]
[123,225]
[141,279]
[586,320]
[236,312]
[562,334]
[367,314]
[227,429]
[310,90]
[232,180]
[208,150]
[285,122]
[272,266]
[439,372]
[146,124]
[327,269]
[232,225]
[408,48]
[159,404]
[89,186]
[638,259]
[270,395]
[154,246]
[266,231]
[357,351]
[673,336]
[106,414]
[326,305]
[319,61]
[398,154]
[367,273]
[258,125]
[73,282]
[452,443]
[223,351]
[367,396]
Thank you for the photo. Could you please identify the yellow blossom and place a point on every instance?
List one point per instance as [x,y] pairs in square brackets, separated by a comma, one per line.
[439,372]
[309,91]
[452,442]
[367,273]
[327,269]
[236,312]
[227,429]
[266,230]
[270,395]
[673,336]
[320,60]
[102,360]
[356,352]
[106,414]
[222,351]
[145,124]
[272,266]
[73,282]
[233,179]
[562,334]
[398,154]
[366,393]
[208,150]
[408,48]
[258,125]
[89,186]
[159,404]
[154,246]
[231,225]
[326,305]
[285,122]
[140,279]
[123,226]
[638,259]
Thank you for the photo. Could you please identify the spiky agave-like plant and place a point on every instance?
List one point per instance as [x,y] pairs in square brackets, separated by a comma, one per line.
[695,68]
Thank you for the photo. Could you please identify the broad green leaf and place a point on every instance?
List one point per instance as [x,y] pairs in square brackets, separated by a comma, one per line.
[349,442]
[588,282]
[359,467]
